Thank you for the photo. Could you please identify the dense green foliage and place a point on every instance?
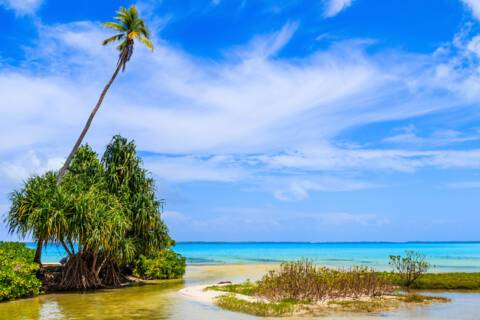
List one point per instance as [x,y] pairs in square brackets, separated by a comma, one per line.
[132,185]
[17,271]
[107,208]
[302,280]
[166,264]
[410,267]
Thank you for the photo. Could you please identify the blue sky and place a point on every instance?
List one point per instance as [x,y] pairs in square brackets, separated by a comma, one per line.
[326,120]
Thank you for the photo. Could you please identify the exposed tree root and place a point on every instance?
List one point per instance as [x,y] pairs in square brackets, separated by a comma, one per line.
[111,275]
[77,274]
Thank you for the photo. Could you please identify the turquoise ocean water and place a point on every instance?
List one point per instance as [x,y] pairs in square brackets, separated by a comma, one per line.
[445,256]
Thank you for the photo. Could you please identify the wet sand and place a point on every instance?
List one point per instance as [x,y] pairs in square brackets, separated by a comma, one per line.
[162,300]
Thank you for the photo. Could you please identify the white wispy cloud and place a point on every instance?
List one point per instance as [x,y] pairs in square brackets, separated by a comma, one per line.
[265,222]
[22,7]
[334,7]
[474,6]
[295,188]
[191,168]
[25,165]
[265,46]
[409,135]
[397,160]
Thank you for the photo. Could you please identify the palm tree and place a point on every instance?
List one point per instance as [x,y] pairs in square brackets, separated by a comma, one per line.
[130,27]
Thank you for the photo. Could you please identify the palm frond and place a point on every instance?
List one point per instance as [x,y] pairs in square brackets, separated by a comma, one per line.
[114,38]
[133,11]
[142,28]
[146,42]
[115,26]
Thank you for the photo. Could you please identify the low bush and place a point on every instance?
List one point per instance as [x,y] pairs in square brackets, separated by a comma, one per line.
[410,267]
[166,264]
[303,281]
[17,271]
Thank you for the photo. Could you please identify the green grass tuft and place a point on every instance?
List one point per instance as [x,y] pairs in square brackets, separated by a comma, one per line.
[261,309]
[247,288]
[364,306]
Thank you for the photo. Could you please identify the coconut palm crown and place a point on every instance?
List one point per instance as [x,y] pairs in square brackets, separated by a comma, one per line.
[131,27]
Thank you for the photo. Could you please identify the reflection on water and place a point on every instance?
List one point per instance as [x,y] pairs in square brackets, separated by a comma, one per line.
[50,310]
[161,301]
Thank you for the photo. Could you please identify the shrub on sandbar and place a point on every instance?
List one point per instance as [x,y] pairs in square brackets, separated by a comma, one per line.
[304,281]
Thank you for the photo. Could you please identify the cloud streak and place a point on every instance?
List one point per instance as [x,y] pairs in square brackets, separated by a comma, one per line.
[22,7]
[267,222]
[474,6]
[334,7]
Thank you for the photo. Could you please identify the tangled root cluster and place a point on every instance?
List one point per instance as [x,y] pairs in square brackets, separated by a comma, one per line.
[80,273]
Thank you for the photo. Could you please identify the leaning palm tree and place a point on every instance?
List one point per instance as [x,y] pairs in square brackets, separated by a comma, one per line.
[130,27]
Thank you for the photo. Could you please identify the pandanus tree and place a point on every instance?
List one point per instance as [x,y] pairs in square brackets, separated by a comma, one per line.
[104,213]
[130,27]
[125,177]
[34,209]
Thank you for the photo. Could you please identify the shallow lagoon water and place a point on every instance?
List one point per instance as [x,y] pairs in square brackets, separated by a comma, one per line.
[161,300]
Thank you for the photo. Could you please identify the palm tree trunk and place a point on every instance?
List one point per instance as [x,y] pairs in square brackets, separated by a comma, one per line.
[63,170]
[38,252]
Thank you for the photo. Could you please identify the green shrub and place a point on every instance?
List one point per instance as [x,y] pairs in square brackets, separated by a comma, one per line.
[304,281]
[166,264]
[409,267]
[17,271]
